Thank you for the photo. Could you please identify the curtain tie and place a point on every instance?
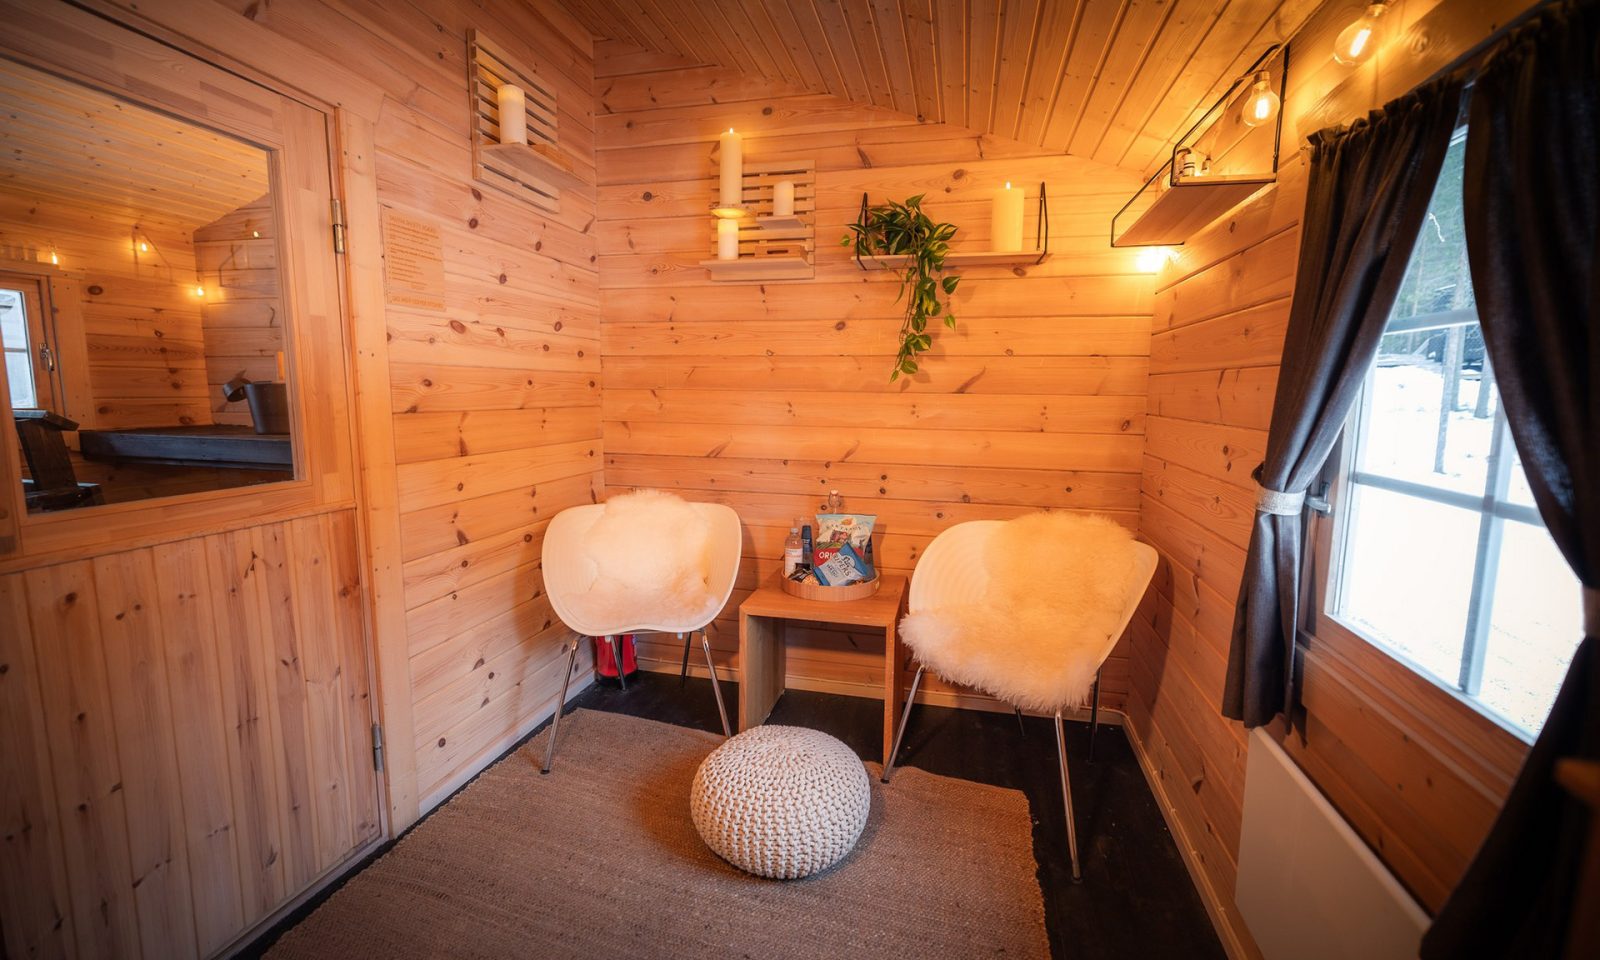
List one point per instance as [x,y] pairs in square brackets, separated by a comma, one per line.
[1591,611]
[1278,503]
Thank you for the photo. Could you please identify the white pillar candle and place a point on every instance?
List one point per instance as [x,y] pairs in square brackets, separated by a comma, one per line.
[783,198]
[727,239]
[1005,223]
[732,170]
[513,114]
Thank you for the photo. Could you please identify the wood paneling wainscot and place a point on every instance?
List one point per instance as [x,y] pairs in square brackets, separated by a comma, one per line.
[765,396]
[1417,774]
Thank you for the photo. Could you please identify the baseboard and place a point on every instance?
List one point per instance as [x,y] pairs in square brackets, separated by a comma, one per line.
[490,754]
[333,874]
[1236,940]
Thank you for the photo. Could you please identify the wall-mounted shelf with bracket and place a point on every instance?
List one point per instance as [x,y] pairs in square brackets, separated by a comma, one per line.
[969,258]
[1174,204]
[535,160]
[536,171]
[773,247]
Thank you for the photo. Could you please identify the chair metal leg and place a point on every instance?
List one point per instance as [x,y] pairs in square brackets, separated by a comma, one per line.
[1094,715]
[683,675]
[1020,725]
[716,687]
[1066,798]
[555,723]
[905,717]
[616,657]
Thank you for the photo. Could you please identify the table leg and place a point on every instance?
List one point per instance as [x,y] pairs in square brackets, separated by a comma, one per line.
[893,686]
[761,667]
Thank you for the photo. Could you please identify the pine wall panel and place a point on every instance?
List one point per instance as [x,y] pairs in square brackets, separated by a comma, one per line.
[765,396]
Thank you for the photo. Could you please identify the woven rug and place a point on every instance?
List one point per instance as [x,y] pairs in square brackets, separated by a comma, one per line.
[599,859]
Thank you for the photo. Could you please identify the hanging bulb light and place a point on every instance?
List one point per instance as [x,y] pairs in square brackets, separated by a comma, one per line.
[1358,41]
[1261,103]
[55,258]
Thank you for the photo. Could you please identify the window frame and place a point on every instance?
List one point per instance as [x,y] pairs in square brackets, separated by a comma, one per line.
[40,329]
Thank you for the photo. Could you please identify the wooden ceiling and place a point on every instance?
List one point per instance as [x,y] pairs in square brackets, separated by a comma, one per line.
[66,142]
[1113,80]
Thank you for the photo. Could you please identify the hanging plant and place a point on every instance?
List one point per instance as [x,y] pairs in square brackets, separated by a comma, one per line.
[903,229]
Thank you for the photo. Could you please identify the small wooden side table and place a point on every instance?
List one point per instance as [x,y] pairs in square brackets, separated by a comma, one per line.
[762,618]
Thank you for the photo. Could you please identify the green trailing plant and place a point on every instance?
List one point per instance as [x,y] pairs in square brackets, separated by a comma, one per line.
[904,229]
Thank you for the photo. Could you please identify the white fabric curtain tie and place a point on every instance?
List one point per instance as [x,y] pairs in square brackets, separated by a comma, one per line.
[1591,611]
[1278,503]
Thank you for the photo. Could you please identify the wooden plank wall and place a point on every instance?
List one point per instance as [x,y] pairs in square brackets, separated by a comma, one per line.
[1419,792]
[495,397]
[765,396]
[242,314]
[141,318]
[188,740]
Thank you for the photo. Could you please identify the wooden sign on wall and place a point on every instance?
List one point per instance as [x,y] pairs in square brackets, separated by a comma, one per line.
[413,262]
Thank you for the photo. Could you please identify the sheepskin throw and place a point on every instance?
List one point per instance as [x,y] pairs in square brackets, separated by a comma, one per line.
[1058,584]
[652,558]
[781,802]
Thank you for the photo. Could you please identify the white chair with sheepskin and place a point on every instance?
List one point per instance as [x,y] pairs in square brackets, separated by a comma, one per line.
[642,562]
[1026,610]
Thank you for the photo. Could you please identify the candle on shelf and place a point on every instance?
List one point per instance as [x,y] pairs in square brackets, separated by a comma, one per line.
[1005,223]
[731,193]
[783,198]
[513,114]
[727,239]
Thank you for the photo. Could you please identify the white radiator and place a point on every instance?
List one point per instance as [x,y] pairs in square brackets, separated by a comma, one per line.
[1309,888]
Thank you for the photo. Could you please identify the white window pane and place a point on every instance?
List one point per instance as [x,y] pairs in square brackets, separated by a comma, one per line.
[1408,576]
[1535,627]
[1406,438]
[19,373]
[13,320]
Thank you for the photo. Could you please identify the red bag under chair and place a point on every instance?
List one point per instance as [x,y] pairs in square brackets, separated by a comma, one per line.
[605,665]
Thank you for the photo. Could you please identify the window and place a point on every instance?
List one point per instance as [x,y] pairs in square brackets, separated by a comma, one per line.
[1439,555]
[28,358]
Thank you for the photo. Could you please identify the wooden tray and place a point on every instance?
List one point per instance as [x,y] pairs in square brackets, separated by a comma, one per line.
[816,591]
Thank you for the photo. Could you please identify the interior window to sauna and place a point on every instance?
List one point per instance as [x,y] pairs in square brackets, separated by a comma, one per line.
[144,334]
[1441,558]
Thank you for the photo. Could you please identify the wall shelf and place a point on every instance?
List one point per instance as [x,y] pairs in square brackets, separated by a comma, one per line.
[1182,208]
[751,269]
[536,160]
[961,258]
[780,223]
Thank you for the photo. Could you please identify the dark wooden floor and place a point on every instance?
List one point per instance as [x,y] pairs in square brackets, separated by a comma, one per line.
[1136,899]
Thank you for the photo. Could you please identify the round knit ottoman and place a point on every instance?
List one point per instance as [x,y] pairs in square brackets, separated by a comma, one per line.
[781,802]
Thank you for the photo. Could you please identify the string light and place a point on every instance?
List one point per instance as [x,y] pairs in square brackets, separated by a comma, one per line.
[1357,42]
[1261,103]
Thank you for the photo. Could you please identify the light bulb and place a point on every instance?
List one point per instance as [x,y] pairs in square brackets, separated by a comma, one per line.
[144,247]
[54,260]
[1260,104]
[199,291]
[1358,41]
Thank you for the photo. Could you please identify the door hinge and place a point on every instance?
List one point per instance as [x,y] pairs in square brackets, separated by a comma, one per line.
[338,226]
[377,747]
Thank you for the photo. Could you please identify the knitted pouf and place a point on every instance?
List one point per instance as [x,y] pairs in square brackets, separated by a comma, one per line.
[781,802]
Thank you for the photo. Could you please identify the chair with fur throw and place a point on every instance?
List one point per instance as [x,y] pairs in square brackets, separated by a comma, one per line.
[641,562]
[1026,610]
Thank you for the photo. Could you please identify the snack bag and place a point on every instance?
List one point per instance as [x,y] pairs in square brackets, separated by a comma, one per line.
[843,568]
[852,528]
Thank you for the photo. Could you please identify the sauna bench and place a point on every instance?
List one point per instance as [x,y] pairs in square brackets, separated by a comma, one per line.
[215,445]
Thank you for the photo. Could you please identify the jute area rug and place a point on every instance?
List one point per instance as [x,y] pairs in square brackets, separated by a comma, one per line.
[600,859]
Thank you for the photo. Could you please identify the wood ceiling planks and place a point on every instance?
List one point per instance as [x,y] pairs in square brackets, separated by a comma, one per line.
[1114,80]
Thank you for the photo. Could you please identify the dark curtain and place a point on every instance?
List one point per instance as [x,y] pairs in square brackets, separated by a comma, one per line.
[1369,189]
[1531,201]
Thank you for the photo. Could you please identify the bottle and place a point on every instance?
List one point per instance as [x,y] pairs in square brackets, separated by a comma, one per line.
[791,551]
[835,502]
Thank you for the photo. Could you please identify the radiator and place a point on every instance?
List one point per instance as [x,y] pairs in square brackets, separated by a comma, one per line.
[1309,888]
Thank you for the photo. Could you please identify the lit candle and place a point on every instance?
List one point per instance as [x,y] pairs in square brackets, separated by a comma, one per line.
[731,193]
[513,114]
[783,198]
[1005,224]
[727,239]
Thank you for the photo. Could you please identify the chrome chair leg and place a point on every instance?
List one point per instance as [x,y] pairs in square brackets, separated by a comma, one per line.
[555,723]
[683,674]
[905,717]
[1094,715]
[1066,798]
[716,688]
[616,657]
[1020,725]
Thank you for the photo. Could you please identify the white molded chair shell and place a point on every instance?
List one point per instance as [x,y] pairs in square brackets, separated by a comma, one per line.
[569,571]
[949,572]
